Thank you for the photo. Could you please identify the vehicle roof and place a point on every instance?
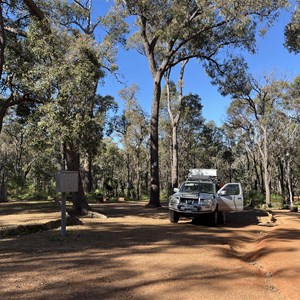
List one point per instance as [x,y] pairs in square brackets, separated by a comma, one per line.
[200,181]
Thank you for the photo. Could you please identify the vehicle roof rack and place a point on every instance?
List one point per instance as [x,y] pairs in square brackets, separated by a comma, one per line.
[204,174]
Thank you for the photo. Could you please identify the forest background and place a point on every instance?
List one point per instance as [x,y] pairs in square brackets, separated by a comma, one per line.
[55,112]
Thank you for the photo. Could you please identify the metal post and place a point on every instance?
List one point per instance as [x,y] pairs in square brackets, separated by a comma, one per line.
[63,214]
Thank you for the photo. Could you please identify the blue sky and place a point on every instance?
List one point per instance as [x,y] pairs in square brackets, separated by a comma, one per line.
[271,55]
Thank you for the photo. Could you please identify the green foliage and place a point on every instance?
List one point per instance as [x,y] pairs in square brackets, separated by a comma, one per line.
[164,194]
[200,28]
[28,193]
[60,69]
[277,201]
[170,32]
[253,195]
[292,32]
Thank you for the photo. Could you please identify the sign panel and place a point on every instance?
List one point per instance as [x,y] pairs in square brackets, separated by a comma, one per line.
[67,181]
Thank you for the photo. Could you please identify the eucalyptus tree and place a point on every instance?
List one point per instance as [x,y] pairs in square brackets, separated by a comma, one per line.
[180,129]
[109,166]
[9,24]
[76,17]
[29,161]
[247,163]
[258,112]
[133,127]
[56,62]
[175,107]
[190,135]
[75,114]
[292,31]
[169,32]
[291,135]
[14,22]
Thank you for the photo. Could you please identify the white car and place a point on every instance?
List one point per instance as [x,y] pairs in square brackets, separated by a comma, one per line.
[197,197]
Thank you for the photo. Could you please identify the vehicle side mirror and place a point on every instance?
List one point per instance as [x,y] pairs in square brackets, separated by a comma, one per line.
[223,193]
[176,190]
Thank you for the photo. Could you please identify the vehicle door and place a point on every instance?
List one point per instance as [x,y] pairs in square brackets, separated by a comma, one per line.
[230,197]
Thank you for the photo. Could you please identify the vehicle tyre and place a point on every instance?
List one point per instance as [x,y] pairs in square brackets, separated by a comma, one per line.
[173,216]
[214,218]
[221,217]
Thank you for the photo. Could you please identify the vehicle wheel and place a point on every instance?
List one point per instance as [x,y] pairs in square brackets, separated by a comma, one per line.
[173,216]
[222,217]
[215,217]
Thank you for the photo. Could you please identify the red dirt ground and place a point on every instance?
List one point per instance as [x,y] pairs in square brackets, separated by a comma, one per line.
[137,254]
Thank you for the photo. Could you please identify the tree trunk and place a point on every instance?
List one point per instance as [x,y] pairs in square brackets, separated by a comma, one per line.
[72,160]
[2,40]
[262,178]
[175,122]
[281,177]
[174,157]
[258,181]
[3,192]
[154,165]
[289,181]
[267,183]
[87,177]
[128,183]
[265,161]
[138,185]
[34,10]
[90,174]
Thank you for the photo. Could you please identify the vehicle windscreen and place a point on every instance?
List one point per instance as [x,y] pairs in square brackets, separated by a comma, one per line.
[200,187]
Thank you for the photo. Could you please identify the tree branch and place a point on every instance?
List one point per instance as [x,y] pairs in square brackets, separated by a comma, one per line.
[34,10]
[16,31]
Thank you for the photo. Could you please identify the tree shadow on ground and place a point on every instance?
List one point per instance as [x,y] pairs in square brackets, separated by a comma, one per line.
[20,207]
[116,258]
[233,219]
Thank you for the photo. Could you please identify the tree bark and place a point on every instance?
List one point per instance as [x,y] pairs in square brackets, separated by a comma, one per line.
[265,161]
[34,10]
[174,157]
[154,164]
[138,190]
[175,123]
[128,181]
[90,182]
[2,41]
[289,181]
[281,177]
[258,179]
[87,175]
[3,189]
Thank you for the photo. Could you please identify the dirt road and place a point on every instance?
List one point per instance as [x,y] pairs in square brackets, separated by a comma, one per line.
[137,254]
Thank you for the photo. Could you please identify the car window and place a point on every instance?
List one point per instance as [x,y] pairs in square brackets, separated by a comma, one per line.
[207,188]
[190,187]
[201,187]
[232,189]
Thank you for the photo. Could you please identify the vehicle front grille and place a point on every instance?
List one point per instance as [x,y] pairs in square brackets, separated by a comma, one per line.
[188,201]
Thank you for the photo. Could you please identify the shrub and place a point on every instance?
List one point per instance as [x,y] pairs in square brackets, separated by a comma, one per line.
[276,201]
[254,196]
[164,195]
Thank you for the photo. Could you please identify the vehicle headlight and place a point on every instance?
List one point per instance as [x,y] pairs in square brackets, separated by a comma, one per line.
[206,202]
[175,199]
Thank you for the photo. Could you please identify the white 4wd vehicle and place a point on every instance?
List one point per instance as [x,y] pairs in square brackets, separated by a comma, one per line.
[200,195]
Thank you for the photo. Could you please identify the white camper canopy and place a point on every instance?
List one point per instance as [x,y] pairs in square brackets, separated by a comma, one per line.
[198,174]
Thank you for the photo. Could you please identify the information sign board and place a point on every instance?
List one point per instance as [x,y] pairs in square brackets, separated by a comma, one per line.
[67,181]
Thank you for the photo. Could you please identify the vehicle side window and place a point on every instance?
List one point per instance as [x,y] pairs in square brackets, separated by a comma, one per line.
[232,189]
